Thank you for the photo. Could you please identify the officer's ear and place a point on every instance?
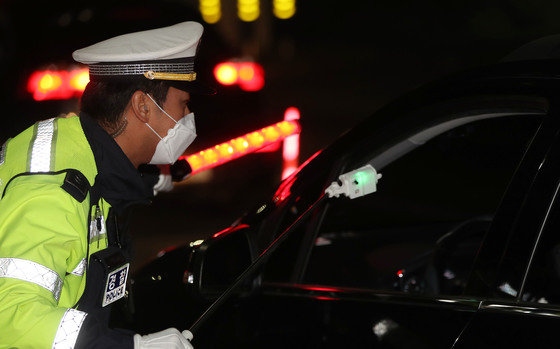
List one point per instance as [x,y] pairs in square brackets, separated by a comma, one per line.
[141,107]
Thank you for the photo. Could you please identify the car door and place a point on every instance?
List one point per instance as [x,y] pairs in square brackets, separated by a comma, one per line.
[522,306]
[391,270]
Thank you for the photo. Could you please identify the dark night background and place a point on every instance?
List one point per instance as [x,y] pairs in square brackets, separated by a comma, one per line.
[337,61]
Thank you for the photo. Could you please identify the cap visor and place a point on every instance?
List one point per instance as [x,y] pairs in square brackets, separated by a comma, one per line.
[195,87]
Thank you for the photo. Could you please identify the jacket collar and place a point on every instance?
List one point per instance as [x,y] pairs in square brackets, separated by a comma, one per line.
[117,180]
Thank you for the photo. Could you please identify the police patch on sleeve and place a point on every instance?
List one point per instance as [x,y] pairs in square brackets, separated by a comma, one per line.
[115,286]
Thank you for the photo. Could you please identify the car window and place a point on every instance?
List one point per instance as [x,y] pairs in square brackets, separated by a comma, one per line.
[421,230]
[542,284]
[294,197]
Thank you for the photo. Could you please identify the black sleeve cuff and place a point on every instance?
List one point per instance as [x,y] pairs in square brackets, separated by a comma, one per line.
[93,335]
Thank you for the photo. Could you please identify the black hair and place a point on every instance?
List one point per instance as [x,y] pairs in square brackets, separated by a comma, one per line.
[106,100]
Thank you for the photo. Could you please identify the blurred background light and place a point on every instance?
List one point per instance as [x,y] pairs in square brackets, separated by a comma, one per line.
[284,9]
[290,151]
[251,76]
[248,75]
[211,10]
[50,81]
[57,84]
[248,10]
[226,73]
[79,79]
[292,113]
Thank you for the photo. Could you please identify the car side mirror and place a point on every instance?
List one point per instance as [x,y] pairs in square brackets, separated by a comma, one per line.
[218,261]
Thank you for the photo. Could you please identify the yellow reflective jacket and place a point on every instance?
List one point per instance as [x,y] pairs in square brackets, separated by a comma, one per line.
[45,225]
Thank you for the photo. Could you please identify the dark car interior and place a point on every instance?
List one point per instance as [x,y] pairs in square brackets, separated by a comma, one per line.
[420,232]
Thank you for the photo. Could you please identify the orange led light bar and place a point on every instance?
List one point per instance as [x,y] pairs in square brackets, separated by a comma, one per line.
[241,146]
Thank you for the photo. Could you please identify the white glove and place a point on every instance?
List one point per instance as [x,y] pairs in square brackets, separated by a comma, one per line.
[166,339]
[164,184]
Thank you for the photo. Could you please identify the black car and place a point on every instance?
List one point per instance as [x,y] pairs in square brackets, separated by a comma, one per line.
[458,248]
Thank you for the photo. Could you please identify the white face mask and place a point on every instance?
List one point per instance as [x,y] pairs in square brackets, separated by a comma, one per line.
[176,141]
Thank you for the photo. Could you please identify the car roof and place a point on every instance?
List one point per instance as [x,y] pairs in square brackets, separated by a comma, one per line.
[535,65]
[528,84]
[544,48]
[531,77]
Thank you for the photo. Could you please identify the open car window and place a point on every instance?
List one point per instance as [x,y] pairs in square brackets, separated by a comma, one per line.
[420,232]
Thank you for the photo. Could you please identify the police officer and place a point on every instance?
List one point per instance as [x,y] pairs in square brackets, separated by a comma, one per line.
[65,182]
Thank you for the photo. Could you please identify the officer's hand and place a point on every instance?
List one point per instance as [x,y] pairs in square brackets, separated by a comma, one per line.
[170,338]
[164,183]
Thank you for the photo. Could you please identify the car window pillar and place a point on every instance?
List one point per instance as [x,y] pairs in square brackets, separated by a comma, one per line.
[502,259]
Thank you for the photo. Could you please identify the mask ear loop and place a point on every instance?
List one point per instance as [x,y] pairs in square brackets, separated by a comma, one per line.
[169,116]
[153,131]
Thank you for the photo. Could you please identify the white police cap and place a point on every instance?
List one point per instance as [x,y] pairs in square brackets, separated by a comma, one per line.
[163,54]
